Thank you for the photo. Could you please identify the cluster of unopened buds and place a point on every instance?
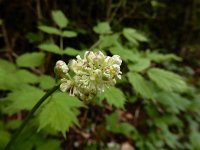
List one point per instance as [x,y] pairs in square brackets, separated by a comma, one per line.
[86,77]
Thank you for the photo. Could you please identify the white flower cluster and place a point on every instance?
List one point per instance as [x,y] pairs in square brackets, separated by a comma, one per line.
[85,77]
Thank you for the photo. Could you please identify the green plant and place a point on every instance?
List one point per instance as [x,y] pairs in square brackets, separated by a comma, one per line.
[151,107]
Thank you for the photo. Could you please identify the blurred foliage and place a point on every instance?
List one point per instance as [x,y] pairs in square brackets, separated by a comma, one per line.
[154,106]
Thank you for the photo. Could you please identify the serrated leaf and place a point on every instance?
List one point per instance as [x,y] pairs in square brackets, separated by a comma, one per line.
[173,102]
[71,51]
[139,65]
[46,82]
[26,76]
[60,112]
[34,59]
[102,28]
[59,18]
[69,34]
[167,80]
[134,36]
[50,30]
[114,96]
[23,99]
[49,47]
[140,85]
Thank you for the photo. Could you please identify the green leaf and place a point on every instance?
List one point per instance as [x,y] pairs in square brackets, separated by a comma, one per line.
[102,28]
[33,37]
[49,47]
[6,65]
[50,30]
[108,40]
[114,96]
[134,36]
[46,82]
[59,18]
[112,121]
[34,59]
[51,144]
[140,65]
[195,104]
[125,54]
[173,102]
[29,138]
[167,80]
[140,85]
[26,76]
[8,80]
[23,99]
[69,34]
[157,57]
[60,112]
[114,125]
[4,138]
[13,124]
[71,51]
[194,136]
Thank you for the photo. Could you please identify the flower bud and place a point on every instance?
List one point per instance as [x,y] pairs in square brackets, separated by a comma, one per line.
[61,69]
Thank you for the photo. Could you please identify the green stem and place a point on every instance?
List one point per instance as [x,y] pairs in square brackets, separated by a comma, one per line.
[61,43]
[24,123]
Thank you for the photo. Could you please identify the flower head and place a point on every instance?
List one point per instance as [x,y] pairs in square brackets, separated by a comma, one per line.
[84,77]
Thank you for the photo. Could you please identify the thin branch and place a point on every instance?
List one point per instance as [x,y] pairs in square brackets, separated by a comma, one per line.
[95,45]
[114,11]
[7,42]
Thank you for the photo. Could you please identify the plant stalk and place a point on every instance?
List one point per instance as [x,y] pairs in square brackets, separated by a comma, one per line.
[29,116]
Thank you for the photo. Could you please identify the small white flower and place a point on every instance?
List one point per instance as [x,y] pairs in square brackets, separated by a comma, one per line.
[65,86]
[116,68]
[117,59]
[89,75]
